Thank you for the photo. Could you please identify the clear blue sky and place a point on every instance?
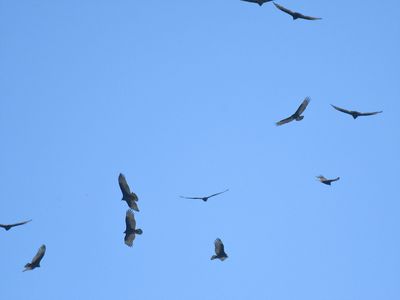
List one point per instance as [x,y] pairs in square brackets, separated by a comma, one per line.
[181,97]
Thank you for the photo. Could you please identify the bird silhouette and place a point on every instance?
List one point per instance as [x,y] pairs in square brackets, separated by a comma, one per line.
[259,2]
[130,231]
[219,250]
[295,15]
[130,197]
[327,181]
[355,114]
[206,197]
[35,263]
[9,226]
[297,115]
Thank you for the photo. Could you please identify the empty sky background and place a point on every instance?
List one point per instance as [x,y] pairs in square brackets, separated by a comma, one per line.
[181,97]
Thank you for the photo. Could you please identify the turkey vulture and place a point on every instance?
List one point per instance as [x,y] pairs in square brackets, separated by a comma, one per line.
[219,251]
[355,114]
[327,181]
[259,2]
[127,195]
[297,115]
[206,197]
[130,230]
[35,263]
[9,226]
[295,15]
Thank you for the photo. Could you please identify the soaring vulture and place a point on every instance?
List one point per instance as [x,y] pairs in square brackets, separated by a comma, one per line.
[327,181]
[35,263]
[206,197]
[219,250]
[130,197]
[259,2]
[295,15]
[355,114]
[9,226]
[297,115]
[130,231]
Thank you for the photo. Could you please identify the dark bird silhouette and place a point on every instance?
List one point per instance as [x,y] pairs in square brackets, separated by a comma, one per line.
[295,15]
[9,226]
[259,2]
[219,250]
[355,114]
[35,263]
[127,195]
[206,197]
[297,115]
[327,181]
[131,231]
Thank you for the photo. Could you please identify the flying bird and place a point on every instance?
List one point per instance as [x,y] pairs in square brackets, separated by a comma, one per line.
[206,197]
[327,181]
[127,195]
[219,250]
[9,226]
[295,15]
[297,115]
[259,2]
[35,263]
[131,231]
[356,114]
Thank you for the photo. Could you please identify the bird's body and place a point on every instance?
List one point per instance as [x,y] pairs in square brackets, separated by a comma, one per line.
[130,231]
[355,114]
[130,197]
[326,181]
[295,15]
[9,226]
[297,115]
[35,263]
[206,197]
[219,250]
[259,2]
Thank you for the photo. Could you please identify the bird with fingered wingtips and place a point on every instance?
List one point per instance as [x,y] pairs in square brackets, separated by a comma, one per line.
[355,114]
[206,197]
[35,263]
[219,250]
[327,181]
[297,115]
[130,197]
[131,230]
[259,2]
[9,226]
[295,15]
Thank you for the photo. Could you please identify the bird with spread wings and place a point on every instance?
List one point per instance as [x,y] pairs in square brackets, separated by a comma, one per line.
[130,197]
[355,114]
[35,263]
[131,230]
[297,115]
[259,2]
[327,181]
[295,15]
[219,250]
[9,226]
[206,197]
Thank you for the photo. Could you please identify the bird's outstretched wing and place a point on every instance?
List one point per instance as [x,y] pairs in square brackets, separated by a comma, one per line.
[39,255]
[284,121]
[191,197]
[302,106]
[284,9]
[219,246]
[342,109]
[218,193]
[370,113]
[123,184]
[130,220]
[308,17]
[320,177]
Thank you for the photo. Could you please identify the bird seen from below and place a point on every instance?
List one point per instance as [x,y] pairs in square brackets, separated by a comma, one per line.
[206,197]
[219,250]
[130,197]
[259,2]
[327,181]
[295,15]
[355,114]
[9,226]
[35,263]
[130,231]
[297,115]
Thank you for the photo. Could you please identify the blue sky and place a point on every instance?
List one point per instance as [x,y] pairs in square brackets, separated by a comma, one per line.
[181,97]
